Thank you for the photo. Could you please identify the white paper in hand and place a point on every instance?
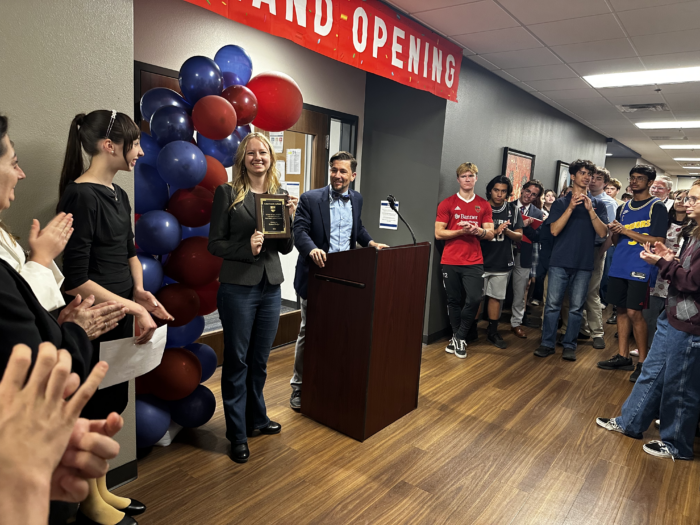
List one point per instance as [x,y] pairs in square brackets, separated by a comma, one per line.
[128,360]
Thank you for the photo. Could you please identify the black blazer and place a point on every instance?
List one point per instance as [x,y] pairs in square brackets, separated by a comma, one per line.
[532,234]
[312,229]
[229,238]
[24,320]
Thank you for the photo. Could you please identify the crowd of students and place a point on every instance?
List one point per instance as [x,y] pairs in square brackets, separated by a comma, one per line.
[583,251]
[575,254]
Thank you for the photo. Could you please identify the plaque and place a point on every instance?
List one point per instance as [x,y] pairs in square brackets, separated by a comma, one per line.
[272,216]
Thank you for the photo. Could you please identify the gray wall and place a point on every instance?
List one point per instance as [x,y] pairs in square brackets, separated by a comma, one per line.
[619,169]
[58,59]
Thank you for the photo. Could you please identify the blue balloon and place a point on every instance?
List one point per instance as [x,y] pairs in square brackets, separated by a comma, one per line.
[168,280]
[207,357]
[154,99]
[202,231]
[171,123]
[242,131]
[199,77]
[182,165]
[158,232]
[152,420]
[152,273]
[194,410]
[235,64]
[151,191]
[150,148]
[186,334]
[223,150]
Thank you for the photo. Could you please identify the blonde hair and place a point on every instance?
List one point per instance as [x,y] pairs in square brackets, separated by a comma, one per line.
[240,183]
[467,166]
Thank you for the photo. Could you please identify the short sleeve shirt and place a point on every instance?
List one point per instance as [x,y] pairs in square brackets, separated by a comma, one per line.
[498,252]
[465,249]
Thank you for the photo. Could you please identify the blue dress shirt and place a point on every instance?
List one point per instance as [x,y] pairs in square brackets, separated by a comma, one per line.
[341,222]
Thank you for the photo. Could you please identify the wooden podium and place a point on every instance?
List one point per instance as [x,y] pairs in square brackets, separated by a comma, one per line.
[364,337]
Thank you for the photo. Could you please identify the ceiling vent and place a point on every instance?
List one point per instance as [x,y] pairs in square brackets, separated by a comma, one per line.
[633,108]
[668,137]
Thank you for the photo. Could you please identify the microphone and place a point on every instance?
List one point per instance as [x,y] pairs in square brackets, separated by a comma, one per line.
[392,205]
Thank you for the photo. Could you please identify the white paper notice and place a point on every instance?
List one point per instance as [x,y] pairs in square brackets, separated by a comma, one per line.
[128,360]
[388,218]
[294,161]
[277,141]
[280,170]
[293,188]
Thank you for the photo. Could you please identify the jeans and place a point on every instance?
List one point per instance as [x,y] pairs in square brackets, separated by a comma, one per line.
[559,280]
[592,322]
[249,316]
[299,350]
[669,386]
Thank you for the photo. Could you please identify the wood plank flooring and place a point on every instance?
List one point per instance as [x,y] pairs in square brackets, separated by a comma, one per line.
[502,437]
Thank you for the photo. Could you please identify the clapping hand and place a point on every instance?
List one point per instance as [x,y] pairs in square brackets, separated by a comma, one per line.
[95,320]
[502,227]
[616,227]
[292,203]
[47,244]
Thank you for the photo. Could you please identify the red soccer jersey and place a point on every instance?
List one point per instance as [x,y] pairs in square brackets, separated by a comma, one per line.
[463,250]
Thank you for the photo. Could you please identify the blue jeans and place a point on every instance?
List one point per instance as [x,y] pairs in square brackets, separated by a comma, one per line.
[669,387]
[558,281]
[249,316]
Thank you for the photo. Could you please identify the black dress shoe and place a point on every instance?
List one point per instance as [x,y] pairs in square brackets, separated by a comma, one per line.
[134,509]
[271,428]
[240,453]
[82,519]
[612,319]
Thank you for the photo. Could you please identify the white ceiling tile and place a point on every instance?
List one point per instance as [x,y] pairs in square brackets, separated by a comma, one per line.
[589,51]
[568,94]
[538,11]
[627,91]
[687,115]
[485,15]
[467,52]
[570,31]
[683,101]
[543,72]
[415,6]
[654,98]
[689,59]
[557,84]
[589,103]
[510,39]
[661,19]
[601,67]
[525,58]
[482,62]
[506,76]
[625,5]
[687,87]
[666,43]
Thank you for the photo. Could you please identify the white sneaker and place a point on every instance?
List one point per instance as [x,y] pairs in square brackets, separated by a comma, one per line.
[460,348]
[635,352]
[658,449]
[450,348]
[609,424]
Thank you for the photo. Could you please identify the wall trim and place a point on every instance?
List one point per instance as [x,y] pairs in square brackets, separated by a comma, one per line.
[122,475]
[429,339]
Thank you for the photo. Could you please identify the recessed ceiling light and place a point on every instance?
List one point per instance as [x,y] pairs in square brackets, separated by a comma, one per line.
[681,124]
[680,146]
[645,78]
[608,154]
[687,159]
[692,173]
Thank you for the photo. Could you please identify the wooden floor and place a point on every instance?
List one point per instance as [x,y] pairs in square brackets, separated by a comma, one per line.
[501,437]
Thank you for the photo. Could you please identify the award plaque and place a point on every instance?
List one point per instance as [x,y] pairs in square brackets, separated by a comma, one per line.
[272,216]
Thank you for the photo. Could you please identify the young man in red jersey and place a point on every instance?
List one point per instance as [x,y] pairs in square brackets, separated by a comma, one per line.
[463,220]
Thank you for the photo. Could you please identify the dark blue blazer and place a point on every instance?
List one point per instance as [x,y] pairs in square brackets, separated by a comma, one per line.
[312,229]
[533,235]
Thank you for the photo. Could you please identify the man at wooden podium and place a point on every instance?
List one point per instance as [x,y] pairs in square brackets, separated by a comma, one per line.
[327,221]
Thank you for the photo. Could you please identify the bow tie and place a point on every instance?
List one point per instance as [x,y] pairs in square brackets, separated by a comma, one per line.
[337,196]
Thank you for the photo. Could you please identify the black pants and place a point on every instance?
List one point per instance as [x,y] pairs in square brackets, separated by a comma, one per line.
[464,286]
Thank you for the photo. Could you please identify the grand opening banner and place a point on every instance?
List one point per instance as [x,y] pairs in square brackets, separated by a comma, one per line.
[362,33]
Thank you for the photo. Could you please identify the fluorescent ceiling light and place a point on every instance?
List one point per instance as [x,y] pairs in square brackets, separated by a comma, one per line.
[680,146]
[681,124]
[608,154]
[645,78]
[687,159]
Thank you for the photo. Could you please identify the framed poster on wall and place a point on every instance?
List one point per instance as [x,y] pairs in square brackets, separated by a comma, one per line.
[562,177]
[519,167]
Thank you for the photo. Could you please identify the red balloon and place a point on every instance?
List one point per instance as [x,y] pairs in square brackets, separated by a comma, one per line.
[180,301]
[142,386]
[216,175]
[192,207]
[191,264]
[243,101]
[207,297]
[214,117]
[279,101]
[176,377]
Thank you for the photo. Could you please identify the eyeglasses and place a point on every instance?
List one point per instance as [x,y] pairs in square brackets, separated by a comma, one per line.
[637,179]
[528,192]
[691,201]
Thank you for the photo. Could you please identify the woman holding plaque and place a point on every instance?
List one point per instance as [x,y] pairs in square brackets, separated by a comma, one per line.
[249,298]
